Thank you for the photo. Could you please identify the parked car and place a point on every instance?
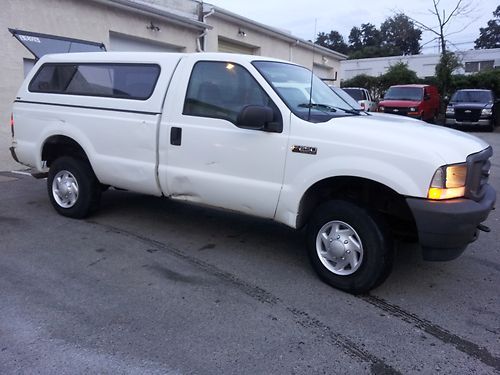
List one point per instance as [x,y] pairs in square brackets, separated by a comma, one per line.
[417,101]
[347,98]
[241,132]
[363,97]
[471,107]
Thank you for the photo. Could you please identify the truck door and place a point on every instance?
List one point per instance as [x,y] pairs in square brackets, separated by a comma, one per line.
[205,156]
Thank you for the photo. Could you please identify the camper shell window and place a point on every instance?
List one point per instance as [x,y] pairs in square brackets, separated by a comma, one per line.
[124,81]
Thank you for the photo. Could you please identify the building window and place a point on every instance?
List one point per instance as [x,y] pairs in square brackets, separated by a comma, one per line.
[478,66]
[486,65]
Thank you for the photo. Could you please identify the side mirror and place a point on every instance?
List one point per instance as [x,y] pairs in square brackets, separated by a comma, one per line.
[258,117]
[427,96]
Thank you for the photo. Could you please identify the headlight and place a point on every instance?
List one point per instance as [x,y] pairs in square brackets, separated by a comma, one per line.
[450,110]
[486,112]
[448,182]
[413,109]
[381,109]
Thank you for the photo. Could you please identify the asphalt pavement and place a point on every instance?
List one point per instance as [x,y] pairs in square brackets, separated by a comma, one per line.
[152,286]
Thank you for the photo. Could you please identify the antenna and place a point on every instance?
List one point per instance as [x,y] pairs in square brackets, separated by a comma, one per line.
[312,72]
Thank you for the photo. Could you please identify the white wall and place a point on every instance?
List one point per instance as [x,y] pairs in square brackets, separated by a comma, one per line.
[266,44]
[423,65]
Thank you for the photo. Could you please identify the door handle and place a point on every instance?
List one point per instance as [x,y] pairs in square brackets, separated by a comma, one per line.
[175,136]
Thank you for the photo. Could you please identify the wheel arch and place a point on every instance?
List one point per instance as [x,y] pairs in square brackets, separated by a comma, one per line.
[58,145]
[363,192]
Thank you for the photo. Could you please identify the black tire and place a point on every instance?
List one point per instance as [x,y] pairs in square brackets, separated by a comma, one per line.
[434,118]
[377,250]
[73,202]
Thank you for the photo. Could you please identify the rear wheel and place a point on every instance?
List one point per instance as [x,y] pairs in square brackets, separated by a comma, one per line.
[73,188]
[349,247]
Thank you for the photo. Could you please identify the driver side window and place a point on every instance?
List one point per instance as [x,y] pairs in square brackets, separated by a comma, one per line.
[221,90]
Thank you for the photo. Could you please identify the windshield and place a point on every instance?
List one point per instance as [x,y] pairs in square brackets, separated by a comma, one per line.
[404,93]
[469,96]
[293,84]
[346,97]
[357,94]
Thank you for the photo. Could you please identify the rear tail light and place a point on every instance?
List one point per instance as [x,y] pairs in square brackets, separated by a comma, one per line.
[12,124]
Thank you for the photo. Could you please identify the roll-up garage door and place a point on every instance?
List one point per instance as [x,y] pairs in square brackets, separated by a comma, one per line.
[120,42]
[232,47]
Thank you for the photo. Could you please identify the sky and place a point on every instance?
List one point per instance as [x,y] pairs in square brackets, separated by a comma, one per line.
[300,18]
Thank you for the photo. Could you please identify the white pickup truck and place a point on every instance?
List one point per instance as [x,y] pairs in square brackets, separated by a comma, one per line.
[242,133]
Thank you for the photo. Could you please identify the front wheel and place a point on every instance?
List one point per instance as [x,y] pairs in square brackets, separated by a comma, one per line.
[73,188]
[349,247]
[491,127]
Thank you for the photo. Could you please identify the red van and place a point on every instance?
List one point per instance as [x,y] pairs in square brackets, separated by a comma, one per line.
[418,101]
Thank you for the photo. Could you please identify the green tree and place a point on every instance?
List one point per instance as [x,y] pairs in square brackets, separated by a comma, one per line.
[489,37]
[355,39]
[333,40]
[365,41]
[444,70]
[371,36]
[400,35]
[397,36]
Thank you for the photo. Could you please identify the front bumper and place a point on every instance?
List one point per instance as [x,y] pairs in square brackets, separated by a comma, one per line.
[445,228]
[415,115]
[481,122]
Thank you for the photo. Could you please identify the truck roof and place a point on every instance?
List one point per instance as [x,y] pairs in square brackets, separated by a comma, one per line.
[413,85]
[149,57]
[475,90]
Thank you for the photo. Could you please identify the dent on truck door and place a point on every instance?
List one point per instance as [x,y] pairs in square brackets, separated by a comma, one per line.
[213,161]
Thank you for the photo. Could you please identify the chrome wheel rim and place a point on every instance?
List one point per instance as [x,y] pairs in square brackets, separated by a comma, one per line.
[65,189]
[339,248]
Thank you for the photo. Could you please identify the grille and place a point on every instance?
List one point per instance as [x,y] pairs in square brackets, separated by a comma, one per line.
[467,115]
[396,110]
[478,173]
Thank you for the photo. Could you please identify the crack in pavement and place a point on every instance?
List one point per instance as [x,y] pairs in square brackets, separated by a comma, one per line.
[463,345]
[302,318]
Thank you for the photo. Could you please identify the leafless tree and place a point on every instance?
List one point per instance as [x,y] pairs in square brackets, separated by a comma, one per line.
[462,9]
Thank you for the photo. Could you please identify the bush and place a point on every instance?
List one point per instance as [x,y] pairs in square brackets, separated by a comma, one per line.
[399,74]
[489,80]
[365,81]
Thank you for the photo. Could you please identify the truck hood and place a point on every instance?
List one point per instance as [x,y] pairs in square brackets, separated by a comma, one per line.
[399,103]
[403,135]
[470,105]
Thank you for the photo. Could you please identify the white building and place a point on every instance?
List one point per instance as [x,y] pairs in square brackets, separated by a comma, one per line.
[472,61]
[142,25]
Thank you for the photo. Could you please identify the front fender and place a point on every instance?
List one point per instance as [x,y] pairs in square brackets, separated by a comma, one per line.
[409,181]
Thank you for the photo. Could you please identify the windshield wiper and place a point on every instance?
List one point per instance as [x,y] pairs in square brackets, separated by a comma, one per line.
[318,106]
[350,111]
[329,108]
